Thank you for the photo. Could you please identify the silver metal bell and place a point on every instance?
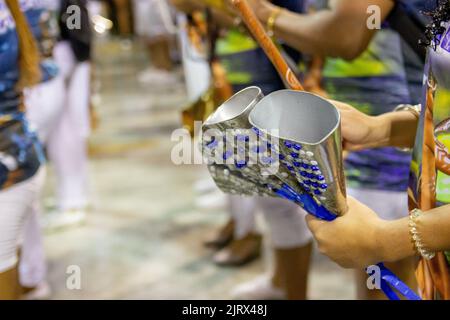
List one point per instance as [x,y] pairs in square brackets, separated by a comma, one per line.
[286,145]
[232,148]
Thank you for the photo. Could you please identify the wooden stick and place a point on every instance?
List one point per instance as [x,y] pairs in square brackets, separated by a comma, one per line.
[266,43]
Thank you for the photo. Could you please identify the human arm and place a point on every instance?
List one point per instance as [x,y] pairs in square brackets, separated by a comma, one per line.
[360,238]
[338,31]
[361,131]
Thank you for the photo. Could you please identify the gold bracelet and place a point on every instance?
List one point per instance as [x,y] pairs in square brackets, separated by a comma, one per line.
[415,235]
[271,21]
[408,107]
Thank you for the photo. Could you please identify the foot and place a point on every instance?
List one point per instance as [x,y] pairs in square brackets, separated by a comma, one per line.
[239,252]
[41,292]
[260,288]
[222,237]
[64,219]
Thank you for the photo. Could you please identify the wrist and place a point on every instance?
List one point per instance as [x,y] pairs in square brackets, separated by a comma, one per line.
[393,240]
[380,244]
[380,127]
[401,128]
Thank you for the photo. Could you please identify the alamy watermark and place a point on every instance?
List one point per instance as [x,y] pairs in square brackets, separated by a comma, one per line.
[73,280]
[373,22]
[374,280]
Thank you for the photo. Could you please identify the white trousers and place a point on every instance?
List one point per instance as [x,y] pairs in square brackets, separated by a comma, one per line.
[243,212]
[285,220]
[152,18]
[197,72]
[44,104]
[67,145]
[59,110]
[33,265]
[389,205]
[18,203]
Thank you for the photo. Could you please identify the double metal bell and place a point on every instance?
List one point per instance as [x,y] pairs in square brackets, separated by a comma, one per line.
[287,144]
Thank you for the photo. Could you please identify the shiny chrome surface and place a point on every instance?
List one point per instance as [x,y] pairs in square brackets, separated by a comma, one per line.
[308,129]
[291,142]
[220,147]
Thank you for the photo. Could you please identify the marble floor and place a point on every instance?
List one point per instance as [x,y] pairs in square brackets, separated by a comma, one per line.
[143,236]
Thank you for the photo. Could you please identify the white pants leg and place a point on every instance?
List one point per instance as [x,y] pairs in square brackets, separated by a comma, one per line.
[15,203]
[243,212]
[33,266]
[389,205]
[197,72]
[67,144]
[44,104]
[286,222]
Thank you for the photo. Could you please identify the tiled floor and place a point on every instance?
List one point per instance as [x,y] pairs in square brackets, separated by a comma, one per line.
[143,236]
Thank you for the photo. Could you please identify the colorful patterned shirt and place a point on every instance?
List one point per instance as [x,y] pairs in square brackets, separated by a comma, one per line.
[38,18]
[20,152]
[245,62]
[387,74]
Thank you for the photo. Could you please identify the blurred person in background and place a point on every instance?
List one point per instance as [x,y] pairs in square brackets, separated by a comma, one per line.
[237,242]
[44,104]
[246,65]
[20,151]
[374,69]
[198,80]
[124,15]
[67,143]
[366,239]
[366,68]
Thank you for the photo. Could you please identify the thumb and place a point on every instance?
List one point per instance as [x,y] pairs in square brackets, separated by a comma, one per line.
[314,223]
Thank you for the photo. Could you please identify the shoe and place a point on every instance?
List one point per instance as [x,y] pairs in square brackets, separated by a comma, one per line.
[41,292]
[239,252]
[64,219]
[222,237]
[260,288]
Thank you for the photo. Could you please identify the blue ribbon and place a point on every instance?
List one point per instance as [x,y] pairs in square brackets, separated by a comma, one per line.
[389,281]
[389,278]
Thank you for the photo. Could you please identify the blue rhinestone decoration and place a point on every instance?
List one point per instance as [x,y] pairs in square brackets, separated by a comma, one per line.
[306,169]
